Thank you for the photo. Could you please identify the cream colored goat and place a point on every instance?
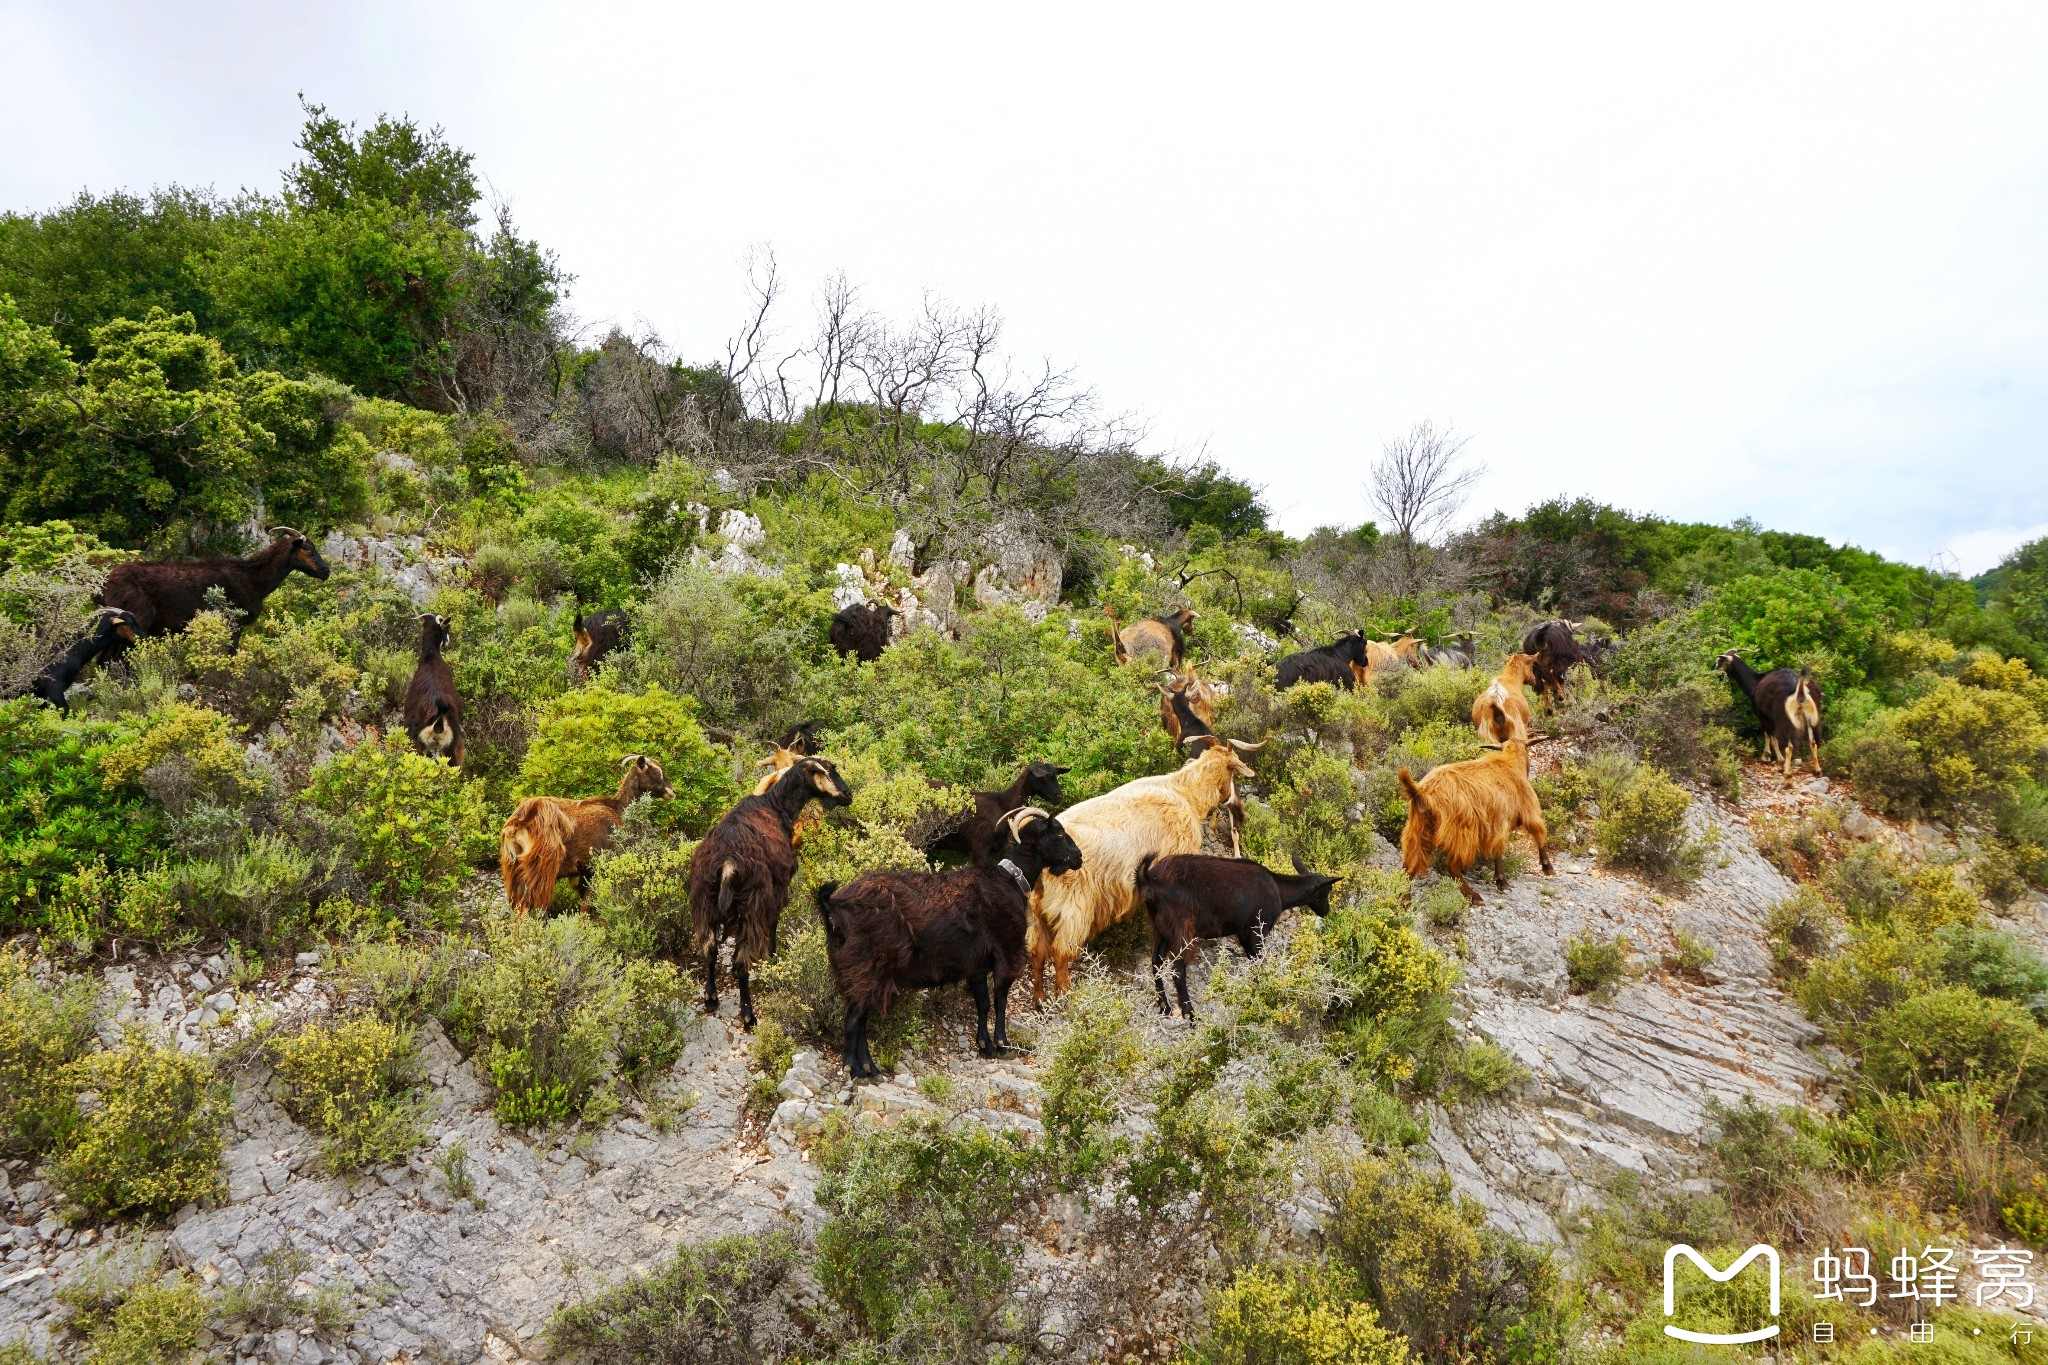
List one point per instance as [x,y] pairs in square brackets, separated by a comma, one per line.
[1152,816]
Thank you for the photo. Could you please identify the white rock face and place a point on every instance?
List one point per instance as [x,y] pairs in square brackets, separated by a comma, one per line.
[405,560]
[1023,572]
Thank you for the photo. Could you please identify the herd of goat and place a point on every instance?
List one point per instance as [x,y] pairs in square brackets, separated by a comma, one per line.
[1035,888]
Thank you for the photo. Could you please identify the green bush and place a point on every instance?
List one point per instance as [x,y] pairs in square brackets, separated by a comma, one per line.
[411,824]
[578,544]
[582,737]
[714,1302]
[1595,965]
[742,645]
[358,1083]
[1767,1161]
[149,1322]
[1954,1035]
[558,1019]
[639,890]
[43,1030]
[1955,751]
[149,1138]
[57,811]
[1642,825]
[1295,1315]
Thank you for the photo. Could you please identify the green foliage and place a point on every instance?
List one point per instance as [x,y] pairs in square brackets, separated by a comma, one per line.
[58,813]
[1295,1315]
[412,823]
[390,162]
[565,544]
[148,1322]
[357,1082]
[714,1302]
[1956,750]
[558,1019]
[639,889]
[1203,495]
[44,1028]
[583,736]
[1954,1035]
[1595,965]
[1767,1160]
[741,645]
[150,1138]
[1642,825]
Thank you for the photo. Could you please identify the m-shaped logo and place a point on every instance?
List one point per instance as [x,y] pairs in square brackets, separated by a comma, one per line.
[1671,1255]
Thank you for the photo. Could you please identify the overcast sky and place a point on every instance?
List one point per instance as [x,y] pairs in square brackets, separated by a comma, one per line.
[1773,261]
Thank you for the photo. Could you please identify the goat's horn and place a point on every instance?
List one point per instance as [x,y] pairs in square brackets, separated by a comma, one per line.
[1245,748]
[1186,740]
[284,531]
[630,759]
[1014,821]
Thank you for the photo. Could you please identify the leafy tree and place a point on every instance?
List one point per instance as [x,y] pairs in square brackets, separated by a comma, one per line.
[1204,495]
[391,162]
[2024,589]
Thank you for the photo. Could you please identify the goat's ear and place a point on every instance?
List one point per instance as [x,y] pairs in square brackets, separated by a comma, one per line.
[1057,770]
[630,759]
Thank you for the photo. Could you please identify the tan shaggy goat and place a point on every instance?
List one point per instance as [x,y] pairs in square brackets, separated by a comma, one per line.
[1501,712]
[1150,817]
[1465,812]
[548,835]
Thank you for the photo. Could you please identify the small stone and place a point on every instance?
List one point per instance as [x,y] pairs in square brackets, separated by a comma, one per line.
[307,959]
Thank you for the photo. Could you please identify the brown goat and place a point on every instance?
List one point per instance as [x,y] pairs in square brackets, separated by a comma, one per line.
[740,871]
[1187,706]
[547,835]
[1465,812]
[800,743]
[1501,712]
[1161,637]
[597,635]
[433,710]
[164,596]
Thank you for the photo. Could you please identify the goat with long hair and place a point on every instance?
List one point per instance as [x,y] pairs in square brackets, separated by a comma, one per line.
[1465,812]
[548,835]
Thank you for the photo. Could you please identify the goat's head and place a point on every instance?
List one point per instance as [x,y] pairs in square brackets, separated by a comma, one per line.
[1178,619]
[1518,669]
[1230,749]
[302,555]
[644,778]
[1042,782]
[1045,836]
[801,739]
[114,621]
[433,632]
[1729,658]
[821,780]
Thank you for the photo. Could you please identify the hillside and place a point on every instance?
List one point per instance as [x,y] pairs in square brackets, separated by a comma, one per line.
[285,1079]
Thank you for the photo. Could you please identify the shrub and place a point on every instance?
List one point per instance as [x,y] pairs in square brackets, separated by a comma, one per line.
[411,823]
[150,1136]
[43,1030]
[640,890]
[1954,1151]
[357,1082]
[1642,824]
[714,1302]
[1295,1315]
[1956,751]
[1994,963]
[149,1322]
[1595,965]
[58,812]
[558,1018]
[1799,928]
[582,736]
[1767,1161]
[1688,956]
[739,644]
[1952,1034]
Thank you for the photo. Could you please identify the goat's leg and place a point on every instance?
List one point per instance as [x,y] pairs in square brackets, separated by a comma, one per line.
[867,1056]
[856,1040]
[711,979]
[977,986]
[1466,887]
[739,974]
[1180,977]
[1542,853]
[1061,966]
[1500,875]
[1003,982]
[1037,980]
[1158,981]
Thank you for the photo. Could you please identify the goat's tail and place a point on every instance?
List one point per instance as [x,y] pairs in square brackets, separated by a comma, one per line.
[531,848]
[1806,705]
[1143,876]
[1416,801]
[822,897]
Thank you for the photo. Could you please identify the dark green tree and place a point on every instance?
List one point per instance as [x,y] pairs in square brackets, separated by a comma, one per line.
[391,162]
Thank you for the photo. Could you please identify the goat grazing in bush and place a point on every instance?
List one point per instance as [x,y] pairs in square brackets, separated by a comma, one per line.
[890,932]
[1192,897]
[433,711]
[597,634]
[1557,653]
[1461,652]
[862,630]
[547,835]
[1337,662]
[740,871]
[1154,816]
[1164,638]
[112,628]
[164,596]
[800,743]
[1187,706]
[1501,712]
[1465,812]
[1788,703]
[982,837]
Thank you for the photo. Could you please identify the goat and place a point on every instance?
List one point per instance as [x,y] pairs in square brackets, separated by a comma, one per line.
[981,837]
[433,710]
[1151,815]
[740,871]
[1501,712]
[1599,653]
[164,596]
[113,627]
[1462,654]
[1164,638]
[1191,897]
[1465,812]
[1788,703]
[1187,706]
[799,743]
[1557,652]
[890,932]
[547,835]
[597,635]
[862,630]
[1337,662]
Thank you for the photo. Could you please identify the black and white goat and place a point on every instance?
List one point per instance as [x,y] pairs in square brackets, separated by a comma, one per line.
[1788,703]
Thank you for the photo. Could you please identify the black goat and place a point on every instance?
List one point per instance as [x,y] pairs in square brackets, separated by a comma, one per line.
[1190,897]
[890,932]
[862,630]
[597,634]
[1557,653]
[982,837]
[163,597]
[1787,701]
[740,871]
[433,710]
[1329,663]
[112,627]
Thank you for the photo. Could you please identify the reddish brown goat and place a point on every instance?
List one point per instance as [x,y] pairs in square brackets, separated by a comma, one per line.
[740,871]
[433,710]
[549,834]
[164,596]
[597,635]
[1160,637]
[1465,812]
[862,630]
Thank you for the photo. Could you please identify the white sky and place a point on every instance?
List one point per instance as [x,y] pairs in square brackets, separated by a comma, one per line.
[1763,260]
